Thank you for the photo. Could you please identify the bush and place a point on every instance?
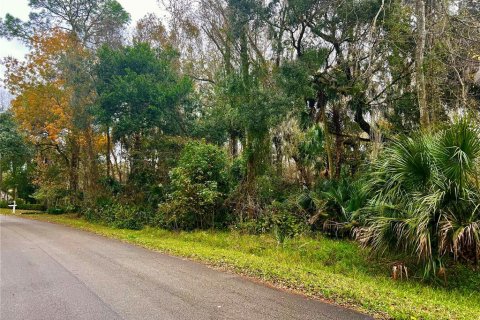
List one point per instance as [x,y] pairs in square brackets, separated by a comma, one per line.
[23,206]
[238,170]
[336,206]
[280,218]
[56,210]
[426,197]
[101,211]
[128,217]
[32,206]
[118,215]
[199,185]
[284,223]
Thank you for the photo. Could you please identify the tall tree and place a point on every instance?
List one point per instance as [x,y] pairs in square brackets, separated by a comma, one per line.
[93,22]
[419,64]
[140,94]
[87,24]
[14,153]
[44,103]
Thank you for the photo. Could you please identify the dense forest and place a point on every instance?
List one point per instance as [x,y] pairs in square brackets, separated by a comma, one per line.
[353,118]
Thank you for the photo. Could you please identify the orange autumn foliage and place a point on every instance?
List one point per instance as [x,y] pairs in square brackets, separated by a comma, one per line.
[42,103]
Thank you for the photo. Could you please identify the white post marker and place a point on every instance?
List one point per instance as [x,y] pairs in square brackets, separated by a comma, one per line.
[13,206]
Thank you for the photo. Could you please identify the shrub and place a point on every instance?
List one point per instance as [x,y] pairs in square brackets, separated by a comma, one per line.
[199,184]
[238,170]
[280,218]
[101,211]
[336,206]
[426,197]
[118,215]
[32,206]
[127,217]
[23,206]
[55,210]
[284,223]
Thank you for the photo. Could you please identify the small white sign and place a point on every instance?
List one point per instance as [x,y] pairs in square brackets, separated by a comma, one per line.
[13,206]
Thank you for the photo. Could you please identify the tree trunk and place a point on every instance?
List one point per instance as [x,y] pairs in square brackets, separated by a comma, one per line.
[92,161]
[419,61]
[277,142]
[338,141]
[136,157]
[324,124]
[117,166]
[108,152]
[74,167]
[244,58]
[233,144]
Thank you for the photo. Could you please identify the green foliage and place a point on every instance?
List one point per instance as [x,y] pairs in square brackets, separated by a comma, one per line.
[294,78]
[312,146]
[337,206]
[67,208]
[13,147]
[31,206]
[199,184]
[118,215]
[283,220]
[15,156]
[21,205]
[92,21]
[127,217]
[238,170]
[267,188]
[54,195]
[140,98]
[426,196]
[302,91]
[139,90]
[55,210]
[284,223]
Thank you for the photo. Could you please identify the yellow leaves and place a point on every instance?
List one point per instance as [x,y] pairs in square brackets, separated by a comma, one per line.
[41,62]
[52,131]
[46,103]
[42,103]
[41,110]
[100,142]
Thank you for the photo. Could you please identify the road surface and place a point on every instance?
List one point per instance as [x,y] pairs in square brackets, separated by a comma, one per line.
[51,272]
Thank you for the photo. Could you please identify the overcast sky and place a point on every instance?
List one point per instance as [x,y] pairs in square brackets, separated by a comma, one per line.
[20,9]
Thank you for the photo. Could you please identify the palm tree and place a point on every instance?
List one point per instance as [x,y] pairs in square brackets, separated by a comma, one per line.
[426,197]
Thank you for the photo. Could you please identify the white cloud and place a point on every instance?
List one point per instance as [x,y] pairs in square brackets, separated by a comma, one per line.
[19,9]
[139,8]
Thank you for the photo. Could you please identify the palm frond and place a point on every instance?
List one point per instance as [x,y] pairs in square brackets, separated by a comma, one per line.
[425,197]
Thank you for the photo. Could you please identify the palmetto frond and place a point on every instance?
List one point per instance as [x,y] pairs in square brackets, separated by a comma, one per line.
[426,197]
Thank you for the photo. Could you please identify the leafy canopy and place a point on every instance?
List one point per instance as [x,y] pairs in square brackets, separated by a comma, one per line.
[139,90]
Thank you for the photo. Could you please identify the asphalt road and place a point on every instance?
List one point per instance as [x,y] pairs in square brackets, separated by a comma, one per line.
[51,272]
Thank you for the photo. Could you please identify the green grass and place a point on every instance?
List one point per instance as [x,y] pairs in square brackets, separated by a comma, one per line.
[336,270]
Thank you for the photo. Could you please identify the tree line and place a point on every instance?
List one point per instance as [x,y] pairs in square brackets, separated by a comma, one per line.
[355,118]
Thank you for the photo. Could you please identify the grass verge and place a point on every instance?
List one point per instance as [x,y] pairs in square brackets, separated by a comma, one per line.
[336,270]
